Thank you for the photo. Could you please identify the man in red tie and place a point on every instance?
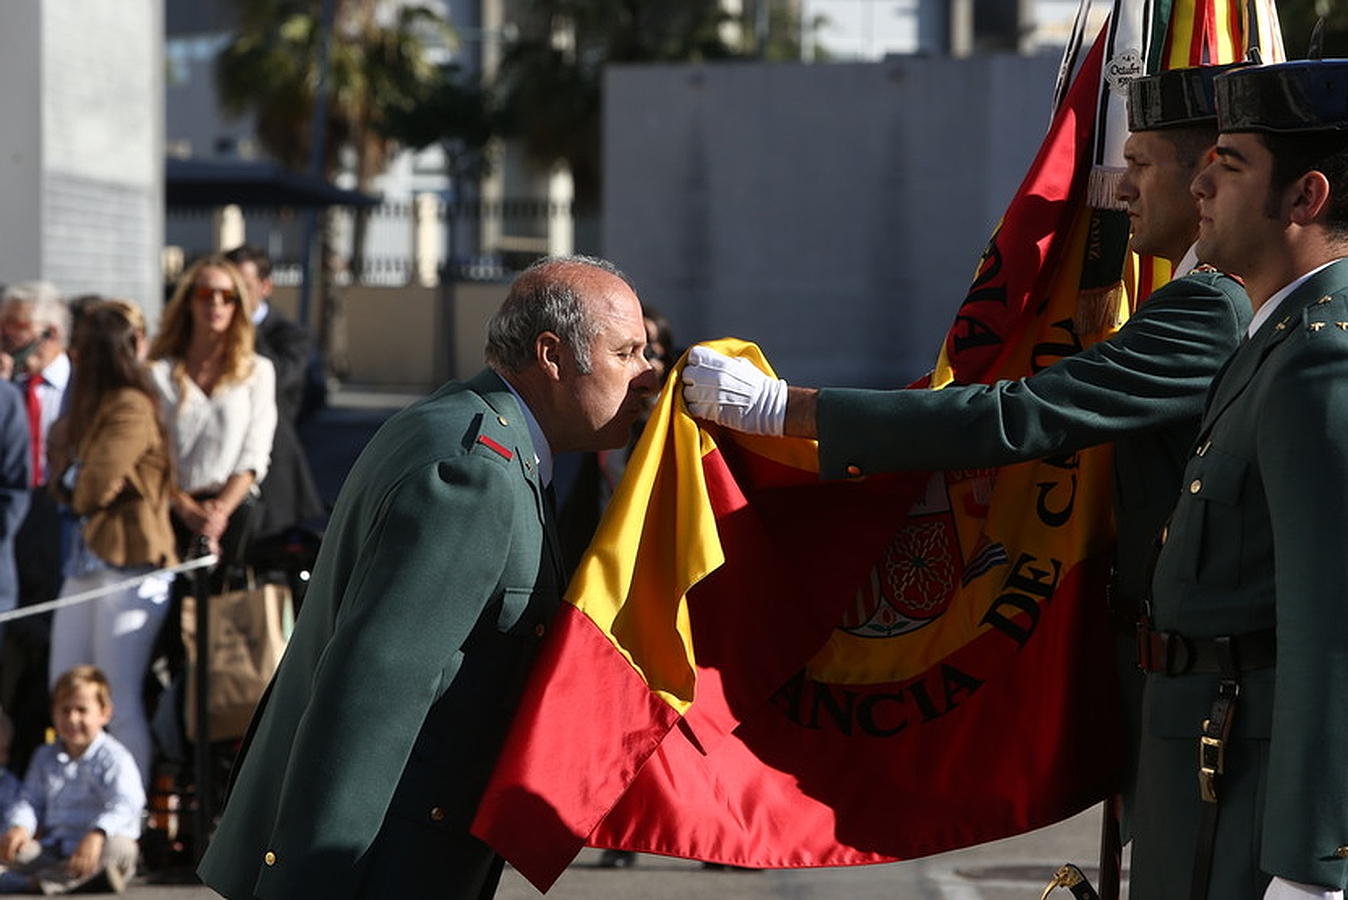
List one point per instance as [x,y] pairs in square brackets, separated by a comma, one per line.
[34,330]
[34,327]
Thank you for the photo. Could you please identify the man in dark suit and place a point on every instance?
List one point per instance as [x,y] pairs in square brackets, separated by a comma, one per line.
[1243,781]
[34,333]
[1142,388]
[289,494]
[438,577]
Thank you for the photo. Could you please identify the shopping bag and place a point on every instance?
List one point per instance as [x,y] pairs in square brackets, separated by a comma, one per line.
[248,632]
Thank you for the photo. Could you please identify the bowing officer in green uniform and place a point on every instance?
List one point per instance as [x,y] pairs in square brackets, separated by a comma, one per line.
[1142,388]
[437,579]
[1243,779]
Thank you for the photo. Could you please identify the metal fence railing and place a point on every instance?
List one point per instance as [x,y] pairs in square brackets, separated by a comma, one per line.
[426,240]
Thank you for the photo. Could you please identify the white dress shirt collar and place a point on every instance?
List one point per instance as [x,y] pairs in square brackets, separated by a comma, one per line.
[1189,262]
[542,451]
[57,372]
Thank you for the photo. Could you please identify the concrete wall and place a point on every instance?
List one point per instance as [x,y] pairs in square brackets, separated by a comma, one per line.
[832,213]
[401,337]
[81,153]
[20,140]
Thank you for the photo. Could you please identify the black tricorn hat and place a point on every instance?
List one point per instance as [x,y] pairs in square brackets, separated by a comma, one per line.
[1175,98]
[1305,95]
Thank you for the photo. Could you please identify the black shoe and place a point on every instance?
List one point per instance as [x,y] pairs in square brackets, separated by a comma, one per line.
[726,867]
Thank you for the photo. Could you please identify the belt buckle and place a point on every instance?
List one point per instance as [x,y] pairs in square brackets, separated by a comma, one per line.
[1211,763]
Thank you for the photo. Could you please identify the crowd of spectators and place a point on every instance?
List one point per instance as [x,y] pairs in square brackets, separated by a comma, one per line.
[121,454]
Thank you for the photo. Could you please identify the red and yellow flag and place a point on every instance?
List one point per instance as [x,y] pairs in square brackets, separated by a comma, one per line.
[759,668]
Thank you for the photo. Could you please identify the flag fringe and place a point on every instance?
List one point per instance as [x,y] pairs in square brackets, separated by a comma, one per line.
[1102,188]
[1099,308]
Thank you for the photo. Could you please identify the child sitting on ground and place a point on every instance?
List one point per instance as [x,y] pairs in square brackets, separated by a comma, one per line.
[77,819]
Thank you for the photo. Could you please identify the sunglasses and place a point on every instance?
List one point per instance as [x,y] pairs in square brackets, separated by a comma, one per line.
[203,294]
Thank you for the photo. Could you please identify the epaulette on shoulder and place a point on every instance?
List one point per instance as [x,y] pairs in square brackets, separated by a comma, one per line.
[490,436]
[1327,313]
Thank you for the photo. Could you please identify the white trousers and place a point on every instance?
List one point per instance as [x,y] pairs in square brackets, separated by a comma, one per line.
[116,633]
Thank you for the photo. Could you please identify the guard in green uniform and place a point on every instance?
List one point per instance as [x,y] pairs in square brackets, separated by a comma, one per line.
[437,579]
[1243,778]
[1142,388]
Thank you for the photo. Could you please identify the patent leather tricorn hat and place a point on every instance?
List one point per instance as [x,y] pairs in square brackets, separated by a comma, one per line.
[1175,98]
[1302,96]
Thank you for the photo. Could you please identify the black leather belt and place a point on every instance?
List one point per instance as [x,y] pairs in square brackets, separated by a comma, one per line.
[1171,653]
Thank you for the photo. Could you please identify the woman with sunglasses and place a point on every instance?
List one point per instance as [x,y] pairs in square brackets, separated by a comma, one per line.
[219,401]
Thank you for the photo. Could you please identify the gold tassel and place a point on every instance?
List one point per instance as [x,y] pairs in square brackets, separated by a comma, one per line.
[1098,309]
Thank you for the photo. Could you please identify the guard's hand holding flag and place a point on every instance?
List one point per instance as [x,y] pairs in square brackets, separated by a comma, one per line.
[733,392]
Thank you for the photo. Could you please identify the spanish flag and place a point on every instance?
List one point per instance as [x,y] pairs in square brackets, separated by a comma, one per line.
[758,668]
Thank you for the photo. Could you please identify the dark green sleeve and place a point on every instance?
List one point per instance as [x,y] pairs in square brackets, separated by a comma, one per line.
[1302,446]
[1154,371]
[430,564]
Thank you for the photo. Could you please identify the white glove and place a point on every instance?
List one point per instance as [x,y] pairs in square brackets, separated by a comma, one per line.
[733,392]
[1282,889]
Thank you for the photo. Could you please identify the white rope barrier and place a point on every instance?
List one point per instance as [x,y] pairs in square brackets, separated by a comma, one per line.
[199,562]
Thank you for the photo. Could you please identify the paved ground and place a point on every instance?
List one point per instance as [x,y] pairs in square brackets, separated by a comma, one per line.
[1013,869]
[1004,870]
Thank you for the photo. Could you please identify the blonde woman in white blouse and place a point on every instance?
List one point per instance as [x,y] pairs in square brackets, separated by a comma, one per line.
[219,399]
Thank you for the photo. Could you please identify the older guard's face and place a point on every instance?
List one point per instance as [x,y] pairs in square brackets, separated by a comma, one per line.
[1155,190]
[609,398]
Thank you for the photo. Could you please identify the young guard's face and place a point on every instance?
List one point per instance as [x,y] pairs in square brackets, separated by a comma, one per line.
[79,716]
[1238,216]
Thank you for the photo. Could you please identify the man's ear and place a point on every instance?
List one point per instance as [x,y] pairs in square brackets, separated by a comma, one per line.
[548,354]
[1309,198]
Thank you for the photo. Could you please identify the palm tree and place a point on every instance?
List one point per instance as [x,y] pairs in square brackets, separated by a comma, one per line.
[453,112]
[270,67]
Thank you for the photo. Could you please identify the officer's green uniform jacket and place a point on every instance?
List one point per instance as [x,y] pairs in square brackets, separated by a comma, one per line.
[1143,388]
[435,583]
[1258,541]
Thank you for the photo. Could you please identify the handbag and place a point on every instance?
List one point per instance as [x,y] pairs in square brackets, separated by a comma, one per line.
[249,628]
